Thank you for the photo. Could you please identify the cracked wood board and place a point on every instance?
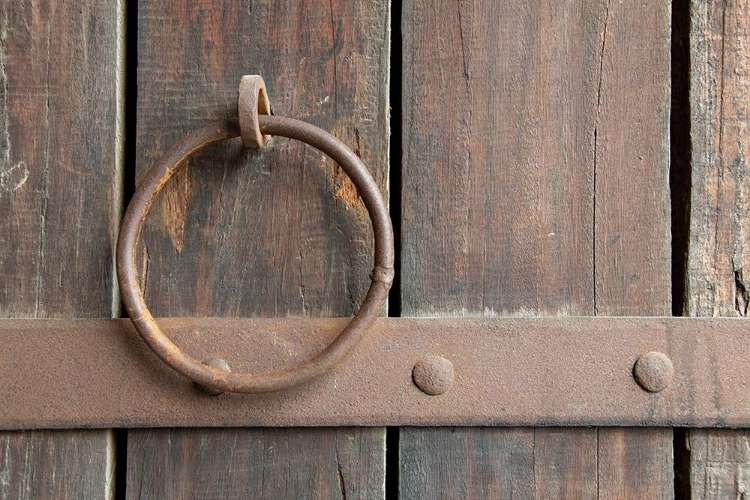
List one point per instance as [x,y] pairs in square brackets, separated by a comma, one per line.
[275,232]
[535,182]
[60,183]
[719,255]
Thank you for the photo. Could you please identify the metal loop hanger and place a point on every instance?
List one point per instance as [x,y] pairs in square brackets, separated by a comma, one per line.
[254,124]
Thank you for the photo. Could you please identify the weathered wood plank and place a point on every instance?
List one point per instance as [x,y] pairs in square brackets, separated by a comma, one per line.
[718,257]
[503,458]
[632,238]
[719,463]
[635,463]
[57,464]
[499,109]
[310,247]
[535,162]
[263,463]
[60,200]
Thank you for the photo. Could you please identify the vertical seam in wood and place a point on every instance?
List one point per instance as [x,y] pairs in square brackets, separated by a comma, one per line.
[119,184]
[598,463]
[596,134]
[5,469]
[115,472]
[109,485]
[333,58]
[533,458]
[45,179]
[4,76]
[680,173]
[124,187]
[394,43]
[395,154]
[720,74]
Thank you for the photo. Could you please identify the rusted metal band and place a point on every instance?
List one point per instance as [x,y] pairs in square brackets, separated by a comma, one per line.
[214,378]
[514,371]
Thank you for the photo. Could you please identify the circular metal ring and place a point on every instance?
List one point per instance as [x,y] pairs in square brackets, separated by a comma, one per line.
[143,198]
[252,101]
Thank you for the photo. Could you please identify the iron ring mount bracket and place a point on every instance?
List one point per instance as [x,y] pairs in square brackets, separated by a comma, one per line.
[254,125]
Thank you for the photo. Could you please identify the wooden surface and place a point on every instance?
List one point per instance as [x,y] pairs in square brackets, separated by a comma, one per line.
[279,232]
[264,463]
[719,463]
[60,205]
[536,182]
[718,259]
[57,464]
[534,164]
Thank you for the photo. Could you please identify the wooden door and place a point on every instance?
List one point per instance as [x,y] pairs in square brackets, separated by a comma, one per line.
[551,196]
[544,158]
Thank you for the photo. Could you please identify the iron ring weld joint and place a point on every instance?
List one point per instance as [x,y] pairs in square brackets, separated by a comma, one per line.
[217,380]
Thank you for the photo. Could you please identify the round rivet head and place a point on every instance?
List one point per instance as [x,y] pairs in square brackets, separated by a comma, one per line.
[219,364]
[653,371]
[433,375]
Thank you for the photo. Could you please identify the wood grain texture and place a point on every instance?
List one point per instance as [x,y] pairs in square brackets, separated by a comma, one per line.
[718,257]
[499,112]
[56,464]
[277,232]
[60,206]
[263,464]
[535,161]
[719,463]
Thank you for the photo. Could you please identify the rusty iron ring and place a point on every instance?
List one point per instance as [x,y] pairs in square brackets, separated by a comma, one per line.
[155,179]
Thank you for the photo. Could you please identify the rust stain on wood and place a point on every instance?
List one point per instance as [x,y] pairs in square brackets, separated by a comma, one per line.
[339,183]
[344,190]
[175,203]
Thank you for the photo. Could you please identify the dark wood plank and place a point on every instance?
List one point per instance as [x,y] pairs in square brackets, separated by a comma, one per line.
[57,464]
[718,257]
[60,200]
[280,232]
[499,112]
[263,464]
[504,458]
[535,163]
[497,463]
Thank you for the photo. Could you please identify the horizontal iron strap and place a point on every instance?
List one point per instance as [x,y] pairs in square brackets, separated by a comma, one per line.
[510,371]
